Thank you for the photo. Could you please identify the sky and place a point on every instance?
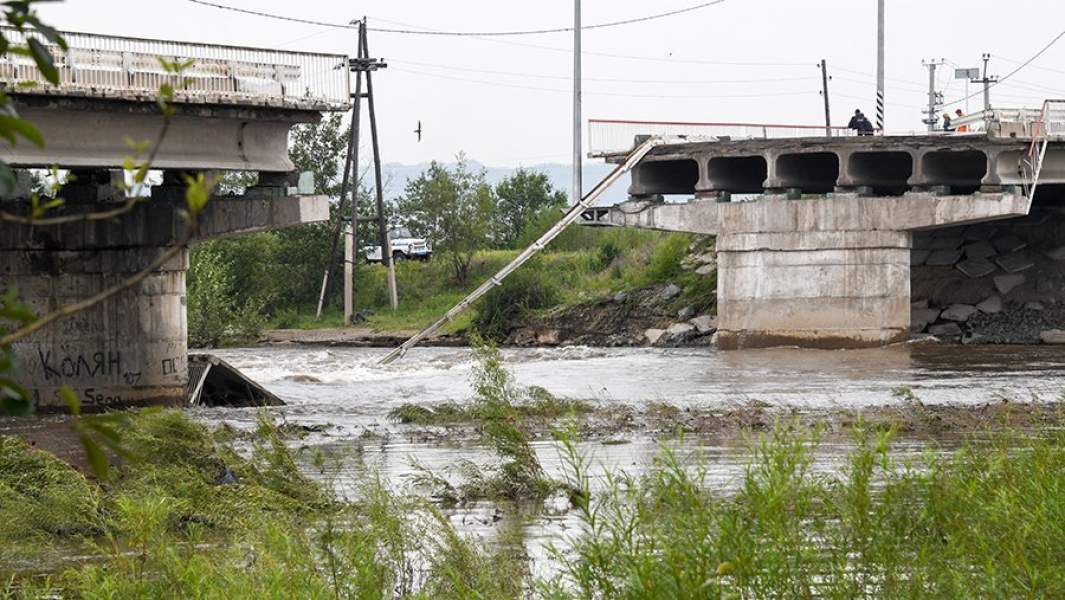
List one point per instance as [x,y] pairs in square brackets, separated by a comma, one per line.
[507,101]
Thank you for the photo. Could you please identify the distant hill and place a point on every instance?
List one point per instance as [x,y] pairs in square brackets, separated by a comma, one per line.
[396,176]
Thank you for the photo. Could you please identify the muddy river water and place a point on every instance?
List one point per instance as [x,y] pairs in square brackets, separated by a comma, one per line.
[345,389]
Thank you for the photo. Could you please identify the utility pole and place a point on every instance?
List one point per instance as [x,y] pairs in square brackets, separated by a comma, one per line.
[987,81]
[933,96]
[880,65]
[578,188]
[361,65]
[369,65]
[824,92]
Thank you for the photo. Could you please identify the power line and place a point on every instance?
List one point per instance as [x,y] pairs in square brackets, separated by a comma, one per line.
[613,94]
[1013,72]
[1037,67]
[486,37]
[459,33]
[595,79]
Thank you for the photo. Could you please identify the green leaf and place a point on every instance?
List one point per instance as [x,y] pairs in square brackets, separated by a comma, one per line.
[197,193]
[71,399]
[9,124]
[43,58]
[48,31]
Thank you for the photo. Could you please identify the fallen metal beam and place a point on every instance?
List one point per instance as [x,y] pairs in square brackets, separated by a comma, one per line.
[572,215]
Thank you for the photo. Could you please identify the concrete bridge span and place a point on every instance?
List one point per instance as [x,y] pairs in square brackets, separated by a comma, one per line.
[814,235]
[233,109]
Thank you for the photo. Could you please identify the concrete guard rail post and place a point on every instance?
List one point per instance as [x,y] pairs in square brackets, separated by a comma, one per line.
[572,215]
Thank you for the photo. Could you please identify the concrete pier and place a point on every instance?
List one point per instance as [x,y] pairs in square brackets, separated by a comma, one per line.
[825,272]
[130,350]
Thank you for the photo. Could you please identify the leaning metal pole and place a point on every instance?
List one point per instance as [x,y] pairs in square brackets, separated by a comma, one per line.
[572,215]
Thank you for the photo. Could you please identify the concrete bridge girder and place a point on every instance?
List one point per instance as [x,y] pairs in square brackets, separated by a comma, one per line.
[93,133]
[883,166]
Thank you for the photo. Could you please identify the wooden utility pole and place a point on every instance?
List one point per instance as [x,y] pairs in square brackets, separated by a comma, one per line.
[352,237]
[361,65]
[824,92]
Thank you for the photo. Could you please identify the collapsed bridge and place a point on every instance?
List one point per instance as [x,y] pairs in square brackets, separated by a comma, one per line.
[815,232]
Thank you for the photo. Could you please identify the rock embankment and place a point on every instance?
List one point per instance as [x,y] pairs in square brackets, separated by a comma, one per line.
[641,317]
[995,283]
[667,314]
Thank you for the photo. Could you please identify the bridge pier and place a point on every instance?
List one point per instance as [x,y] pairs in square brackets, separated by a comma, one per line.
[131,349]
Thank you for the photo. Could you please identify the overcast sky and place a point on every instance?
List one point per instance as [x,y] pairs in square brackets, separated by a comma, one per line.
[506,103]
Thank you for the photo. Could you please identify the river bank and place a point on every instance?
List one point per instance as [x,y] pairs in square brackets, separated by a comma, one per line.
[938,447]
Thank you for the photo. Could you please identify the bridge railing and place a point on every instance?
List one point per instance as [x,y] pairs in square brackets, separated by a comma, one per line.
[114,66]
[613,136]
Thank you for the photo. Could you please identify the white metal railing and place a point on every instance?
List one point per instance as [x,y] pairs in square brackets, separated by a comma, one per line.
[1049,125]
[113,66]
[1049,120]
[614,136]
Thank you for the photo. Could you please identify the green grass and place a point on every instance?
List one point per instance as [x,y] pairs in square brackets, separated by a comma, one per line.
[583,265]
[987,521]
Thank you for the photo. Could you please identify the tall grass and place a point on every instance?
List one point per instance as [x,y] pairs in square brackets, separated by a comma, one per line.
[984,521]
[582,264]
[987,521]
[190,518]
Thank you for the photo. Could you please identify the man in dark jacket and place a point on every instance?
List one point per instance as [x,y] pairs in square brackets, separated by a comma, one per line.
[856,121]
[860,124]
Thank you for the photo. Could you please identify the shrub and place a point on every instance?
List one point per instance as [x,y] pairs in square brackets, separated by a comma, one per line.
[527,289]
[666,259]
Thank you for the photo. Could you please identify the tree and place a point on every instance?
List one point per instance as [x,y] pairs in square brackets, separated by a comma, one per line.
[453,209]
[275,270]
[520,198]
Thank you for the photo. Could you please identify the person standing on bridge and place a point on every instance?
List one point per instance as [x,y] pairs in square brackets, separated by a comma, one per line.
[961,128]
[860,123]
[946,122]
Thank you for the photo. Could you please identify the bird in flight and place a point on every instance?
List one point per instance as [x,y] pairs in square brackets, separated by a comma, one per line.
[419,131]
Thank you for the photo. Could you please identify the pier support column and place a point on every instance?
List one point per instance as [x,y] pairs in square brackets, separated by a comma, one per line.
[129,350]
[826,288]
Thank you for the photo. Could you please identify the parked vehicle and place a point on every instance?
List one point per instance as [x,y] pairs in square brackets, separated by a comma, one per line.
[404,246]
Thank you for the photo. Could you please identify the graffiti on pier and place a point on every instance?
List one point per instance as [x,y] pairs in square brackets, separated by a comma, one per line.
[170,366]
[80,365]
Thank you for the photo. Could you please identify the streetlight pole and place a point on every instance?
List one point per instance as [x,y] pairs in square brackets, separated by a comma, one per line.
[880,65]
[578,189]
